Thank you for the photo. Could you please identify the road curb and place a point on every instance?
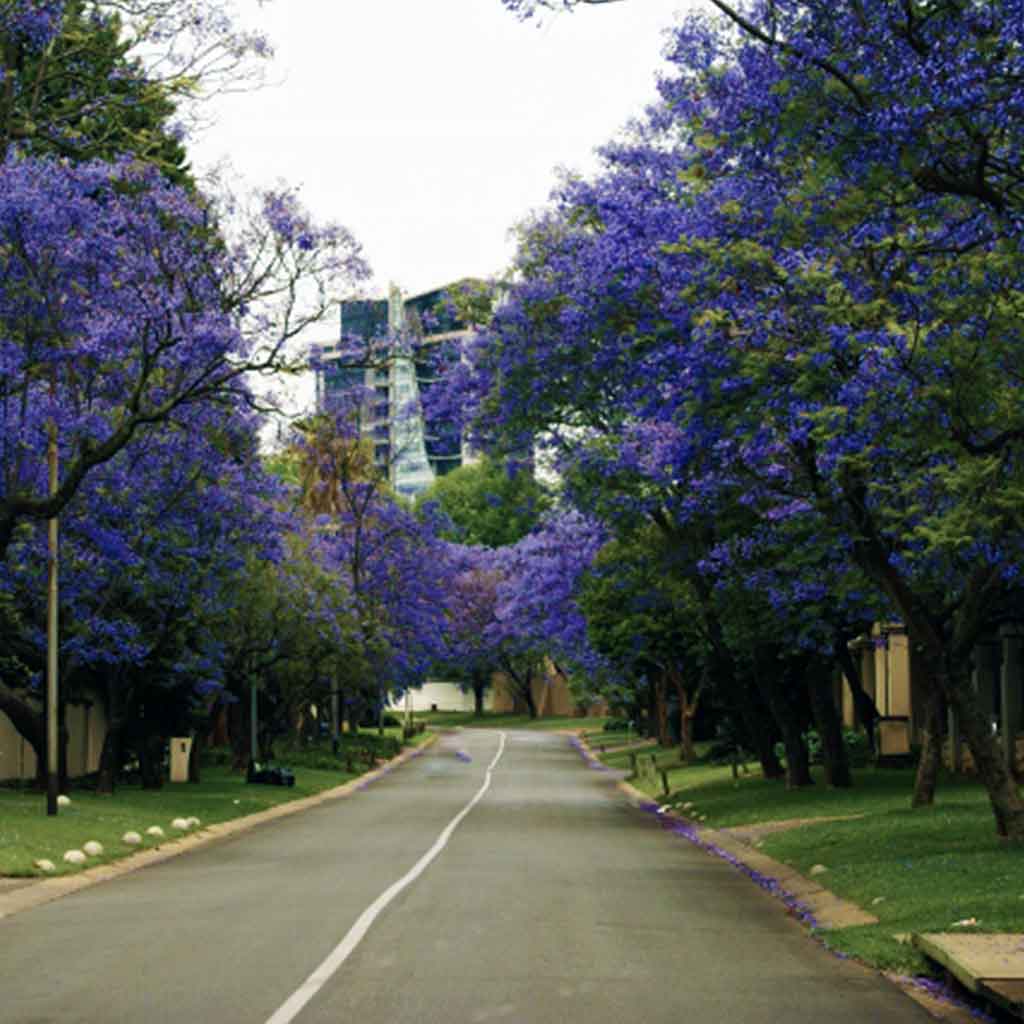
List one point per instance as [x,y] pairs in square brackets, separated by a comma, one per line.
[46,890]
[815,905]
[811,903]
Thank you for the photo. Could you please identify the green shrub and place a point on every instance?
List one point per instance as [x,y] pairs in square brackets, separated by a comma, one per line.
[217,755]
[855,741]
[617,725]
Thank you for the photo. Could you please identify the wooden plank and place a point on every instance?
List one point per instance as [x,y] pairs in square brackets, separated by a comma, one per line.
[935,949]
[1009,994]
[972,957]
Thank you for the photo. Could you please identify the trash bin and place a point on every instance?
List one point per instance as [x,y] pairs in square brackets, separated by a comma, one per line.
[181,748]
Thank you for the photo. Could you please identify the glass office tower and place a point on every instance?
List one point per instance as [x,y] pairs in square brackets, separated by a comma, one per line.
[384,365]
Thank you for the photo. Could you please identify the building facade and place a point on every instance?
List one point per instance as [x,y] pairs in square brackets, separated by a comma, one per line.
[892,676]
[383,364]
[86,723]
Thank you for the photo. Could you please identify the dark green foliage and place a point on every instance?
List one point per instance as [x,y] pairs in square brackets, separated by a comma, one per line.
[85,98]
[617,725]
[490,503]
[355,751]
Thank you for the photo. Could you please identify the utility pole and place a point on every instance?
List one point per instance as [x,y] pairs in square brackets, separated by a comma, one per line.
[52,770]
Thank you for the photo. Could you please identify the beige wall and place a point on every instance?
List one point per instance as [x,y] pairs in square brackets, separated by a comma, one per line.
[899,675]
[17,759]
[551,695]
[887,676]
[846,707]
[892,673]
[87,728]
[447,697]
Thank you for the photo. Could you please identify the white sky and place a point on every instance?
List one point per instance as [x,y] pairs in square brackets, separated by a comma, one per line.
[429,127]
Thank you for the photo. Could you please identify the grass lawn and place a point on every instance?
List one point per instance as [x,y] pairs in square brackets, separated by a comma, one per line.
[501,720]
[28,835]
[666,757]
[916,870]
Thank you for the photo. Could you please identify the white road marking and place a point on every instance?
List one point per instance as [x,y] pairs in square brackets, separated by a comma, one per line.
[294,1004]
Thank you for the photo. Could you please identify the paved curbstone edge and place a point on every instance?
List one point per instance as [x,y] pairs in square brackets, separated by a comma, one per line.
[48,889]
[810,902]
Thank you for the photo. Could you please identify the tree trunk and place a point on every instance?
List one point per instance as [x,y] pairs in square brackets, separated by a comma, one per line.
[798,763]
[300,722]
[354,713]
[687,751]
[106,781]
[63,739]
[110,755]
[724,674]
[1005,800]
[687,713]
[478,696]
[531,704]
[661,711]
[927,777]
[944,654]
[864,707]
[523,684]
[763,741]
[220,735]
[195,757]
[835,761]
[757,725]
[150,762]
[238,733]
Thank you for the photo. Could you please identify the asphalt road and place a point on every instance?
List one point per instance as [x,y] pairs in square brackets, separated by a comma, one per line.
[551,901]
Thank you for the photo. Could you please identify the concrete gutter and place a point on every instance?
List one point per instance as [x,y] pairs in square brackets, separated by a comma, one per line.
[36,892]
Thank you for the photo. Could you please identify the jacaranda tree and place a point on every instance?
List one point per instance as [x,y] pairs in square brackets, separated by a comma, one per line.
[801,281]
[119,307]
[152,545]
[134,313]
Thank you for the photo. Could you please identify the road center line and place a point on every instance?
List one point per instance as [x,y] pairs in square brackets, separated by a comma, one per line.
[294,1004]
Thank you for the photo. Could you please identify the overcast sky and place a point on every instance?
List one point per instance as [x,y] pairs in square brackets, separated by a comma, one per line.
[429,127]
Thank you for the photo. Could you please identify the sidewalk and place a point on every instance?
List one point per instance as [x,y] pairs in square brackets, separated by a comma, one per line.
[18,894]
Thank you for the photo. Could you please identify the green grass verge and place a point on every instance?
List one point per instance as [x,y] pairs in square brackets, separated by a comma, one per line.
[500,720]
[28,835]
[915,870]
[622,760]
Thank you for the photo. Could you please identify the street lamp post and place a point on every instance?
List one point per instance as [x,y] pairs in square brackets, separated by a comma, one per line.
[335,719]
[52,773]
[254,721]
